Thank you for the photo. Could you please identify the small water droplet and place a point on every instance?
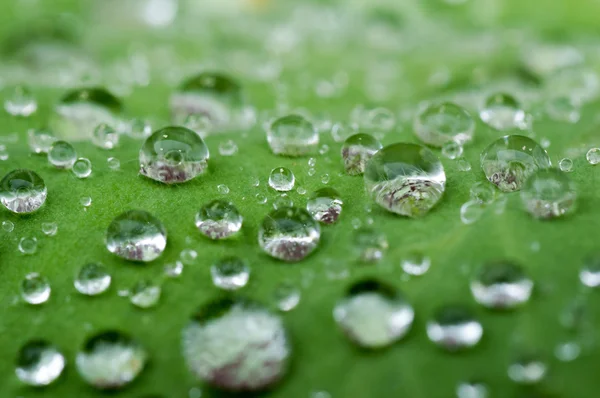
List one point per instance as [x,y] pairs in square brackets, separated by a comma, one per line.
[82,168]
[139,129]
[442,123]
[452,150]
[471,212]
[174,270]
[20,102]
[113,163]
[49,228]
[195,392]
[482,192]
[357,150]
[85,201]
[325,178]
[40,140]
[471,390]
[219,219]
[28,245]
[136,235]
[549,193]
[92,279]
[312,162]
[287,296]
[223,189]
[566,165]
[230,273]
[228,148]
[415,263]
[261,199]
[188,256]
[282,179]
[463,165]
[370,244]
[590,273]
[105,137]
[325,205]
[22,191]
[35,289]
[528,369]
[593,156]
[311,172]
[503,112]
[301,190]
[563,109]
[62,155]
[567,351]
[453,328]
[39,363]
[145,294]
[292,135]
[501,284]
[8,226]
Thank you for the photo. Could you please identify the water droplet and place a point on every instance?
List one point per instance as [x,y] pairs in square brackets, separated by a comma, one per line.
[292,135]
[579,84]
[563,109]
[471,212]
[39,363]
[463,165]
[566,165]
[145,294]
[113,163]
[223,189]
[325,178]
[289,234]
[567,351]
[8,226]
[40,140]
[357,150]
[453,327]
[22,191]
[503,112]
[230,273]
[482,192]
[92,279]
[49,228]
[188,256]
[324,149]
[527,370]
[311,172]
[510,160]
[82,168]
[452,150]
[195,392]
[301,190]
[593,156]
[136,235]
[325,205]
[312,162]
[590,273]
[139,129]
[471,390]
[405,179]
[320,394]
[549,193]
[369,244]
[261,199]
[62,155]
[501,284]
[444,122]
[236,345]
[105,137]
[28,245]
[373,315]
[110,360]
[415,263]
[281,179]
[228,148]
[287,296]
[219,219]
[20,102]
[85,201]
[174,270]
[35,289]
[173,155]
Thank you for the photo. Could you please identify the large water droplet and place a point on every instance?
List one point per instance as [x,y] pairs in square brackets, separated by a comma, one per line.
[453,327]
[92,279]
[325,205]
[501,284]
[39,363]
[62,155]
[136,235]
[503,112]
[282,179]
[443,123]
[22,191]
[549,193]
[292,135]
[357,150]
[35,289]
[230,273]
[219,219]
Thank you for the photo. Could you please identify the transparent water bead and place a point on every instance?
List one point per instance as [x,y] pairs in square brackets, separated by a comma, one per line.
[549,193]
[8,226]
[580,84]
[453,327]
[140,129]
[357,150]
[230,273]
[22,191]
[228,148]
[292,135]
[40,140]
[81,110]
[483,193]
[105,137]
[236,345]
[286,296]
[49,228]
[92,279]
[567,351]
[289,234]
[471,390]
[282,179]
[62,155]
[214,96]
[28,245]
[373,315]
[503,112]
[501,284]
[110,360]
[173,155]
[452,150]
[39,363]
[415,263]
[528,369]
[136,235]
[566,165]
[82,168]
[325,205]
[113,163]
[563,109]
[405,179]
[471,211]
[442,123]
[369,244]
[219,219]
[20,102]
[590,273]
[509,161]
[35,289]
[145,294]
[593,156]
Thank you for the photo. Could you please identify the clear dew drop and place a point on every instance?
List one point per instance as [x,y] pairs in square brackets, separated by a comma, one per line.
[320,394]
[105,137]
[369,244]
[145,294]
[173,155]
[589,275]
[62,155]
[49,228]
[28,245]
[228,148]
[593,156]
[452,150]
[230,273]
[567,351]
[442,123]
[467,389]
[136,235]
[482,192]
[471,211]
[415,263]
[405,179]
[501,285]
[223,189]
[39,363]
[289,234]
[40,140]
[4,155]
[8,226]
[453,327]
[286,296]
[292,135]
[110,360]
[92,279]
[579,84]
[82,168]
[282,179]
[503,112]
[85,201]
[261,199]
[325,205]
[139,129]
[563,109]
[283,201]
[195,392]
[35,289]
[463,165]
[22,191]
[219,219]
[357,150]
[528,369]
[173,270]
[373,315]
[509,161]
[188,256]
[20,102]
[566,165]
[549,193]
[236,345]
[113,163]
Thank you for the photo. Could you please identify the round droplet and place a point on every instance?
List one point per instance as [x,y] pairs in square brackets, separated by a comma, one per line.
[405,179]
[35,289]
[236,345]
[39,363]
[452,150]
[369,244]
[471,390]
[8,226]
[110,360]
[136,235]
[357,150]
[82,168]
[453,328]
[292,135]
[415,263]
[289,234]
[503,112]
[228,148]
[85,201]
[49,228]
[223,189]
[230,273]
[590,273]
[139,129]
[501,284]
[20,102]
[509,161]
[22,191]
[173,155]
[174,270]
[373,315]
[563,109]
[28,245]
[145,294]
[219,219]
[188,256]
[566,165]
[593,156]
[92,279]
[527,370]
[105,137]
[62,155]
[579,84]
[286,296]
[549,193]
[482,192]
[113,163]
[283,201]
[471,211]
[567,351]
[443,123]
[40,140]
[325,205]
[282,179]
[463,165]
